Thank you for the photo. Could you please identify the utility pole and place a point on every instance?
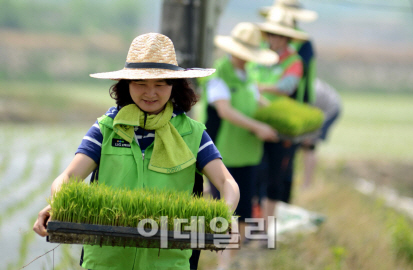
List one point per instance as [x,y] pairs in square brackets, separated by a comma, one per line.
[191,25]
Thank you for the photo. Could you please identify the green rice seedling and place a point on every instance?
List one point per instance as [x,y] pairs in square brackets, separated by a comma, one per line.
[291,118]
[99,204]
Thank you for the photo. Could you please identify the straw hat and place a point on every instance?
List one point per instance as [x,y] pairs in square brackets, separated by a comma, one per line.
[281,22]
[152,56]
[294,7]
[244,43]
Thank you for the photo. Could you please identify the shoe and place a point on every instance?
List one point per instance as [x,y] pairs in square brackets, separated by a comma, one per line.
[256,211]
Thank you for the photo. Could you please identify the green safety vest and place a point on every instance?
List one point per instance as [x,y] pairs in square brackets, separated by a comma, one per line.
[272,74]
[238,147]
[127,167]
[309,73]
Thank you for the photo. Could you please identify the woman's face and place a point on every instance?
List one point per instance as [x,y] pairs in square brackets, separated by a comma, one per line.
[238,62]
[277,42]
[150,95]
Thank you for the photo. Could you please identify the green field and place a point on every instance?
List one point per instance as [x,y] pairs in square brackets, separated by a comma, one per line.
[68,103]
[373,127]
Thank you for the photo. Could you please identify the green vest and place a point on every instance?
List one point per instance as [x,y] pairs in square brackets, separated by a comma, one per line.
[272,74]
[127,167]
[238,147]
[309,73]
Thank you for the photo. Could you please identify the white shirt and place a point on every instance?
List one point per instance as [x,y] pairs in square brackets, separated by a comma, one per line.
[218,90]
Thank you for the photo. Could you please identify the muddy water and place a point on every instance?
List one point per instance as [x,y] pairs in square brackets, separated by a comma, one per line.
[28,159]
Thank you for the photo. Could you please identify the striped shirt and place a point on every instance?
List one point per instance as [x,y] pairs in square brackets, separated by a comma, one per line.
[91,144]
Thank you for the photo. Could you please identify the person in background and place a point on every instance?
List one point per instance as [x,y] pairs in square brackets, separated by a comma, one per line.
[328,100]
[314,88]
[282,78]
[165,148]
[232,101]
[304,48]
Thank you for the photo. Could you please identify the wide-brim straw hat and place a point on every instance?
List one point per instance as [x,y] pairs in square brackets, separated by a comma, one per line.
[152,56]
[293,6]
[281,22]
[244,43]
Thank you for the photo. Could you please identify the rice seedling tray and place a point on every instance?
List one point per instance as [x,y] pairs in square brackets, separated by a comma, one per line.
[299,138]
[103,235]
[290,117]
[96,214]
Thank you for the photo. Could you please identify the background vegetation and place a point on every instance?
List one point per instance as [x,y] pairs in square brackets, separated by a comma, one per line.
[64,40]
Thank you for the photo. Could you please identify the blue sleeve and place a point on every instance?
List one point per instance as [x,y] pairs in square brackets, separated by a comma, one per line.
[288,84]
[91,144]
[306,53]
[207,152]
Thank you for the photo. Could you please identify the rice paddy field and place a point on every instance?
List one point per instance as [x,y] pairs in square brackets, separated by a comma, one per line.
[374,130]
[31,157]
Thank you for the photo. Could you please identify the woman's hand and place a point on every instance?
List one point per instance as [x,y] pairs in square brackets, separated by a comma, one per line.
[263,88]
[220,177]
[265,132]
[41,223]
[79,168]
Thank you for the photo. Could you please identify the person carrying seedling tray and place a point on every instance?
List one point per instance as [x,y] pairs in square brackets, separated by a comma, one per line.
[304,48]
[232,99]
[147,141]
[281,79]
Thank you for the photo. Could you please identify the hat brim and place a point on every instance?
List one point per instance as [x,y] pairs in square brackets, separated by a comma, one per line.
[282,31]
[153,73]
[303,15]
[247,53]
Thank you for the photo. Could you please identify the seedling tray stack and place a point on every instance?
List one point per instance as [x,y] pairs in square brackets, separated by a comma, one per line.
[100,215]
[293,120]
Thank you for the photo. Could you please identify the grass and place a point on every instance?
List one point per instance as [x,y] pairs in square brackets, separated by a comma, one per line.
[358,233]
[373,126]
[103,205]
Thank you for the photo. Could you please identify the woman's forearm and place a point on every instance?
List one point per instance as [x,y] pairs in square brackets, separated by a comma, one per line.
[230,193]
[219,176]
[79,168]
[225,111]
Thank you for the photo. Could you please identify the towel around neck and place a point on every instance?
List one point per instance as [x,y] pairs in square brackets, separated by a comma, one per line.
[170,152]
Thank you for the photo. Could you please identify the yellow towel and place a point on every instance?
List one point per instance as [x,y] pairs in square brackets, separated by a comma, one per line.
[170,152]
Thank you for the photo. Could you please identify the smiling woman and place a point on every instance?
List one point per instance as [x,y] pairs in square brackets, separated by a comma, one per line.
[150,95]
[161,147]
[127,92]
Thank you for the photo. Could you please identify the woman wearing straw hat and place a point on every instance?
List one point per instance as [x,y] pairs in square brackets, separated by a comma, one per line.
[162,146]
[304,48]
[232,100]
[282,78]
[292,6]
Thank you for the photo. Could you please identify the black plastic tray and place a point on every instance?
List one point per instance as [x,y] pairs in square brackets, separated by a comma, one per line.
[102,235]
[297,139]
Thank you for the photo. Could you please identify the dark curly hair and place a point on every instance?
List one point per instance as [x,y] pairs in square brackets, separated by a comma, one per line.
[182,96]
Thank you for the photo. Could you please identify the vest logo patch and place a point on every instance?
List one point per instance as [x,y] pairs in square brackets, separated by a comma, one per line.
[120,143]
